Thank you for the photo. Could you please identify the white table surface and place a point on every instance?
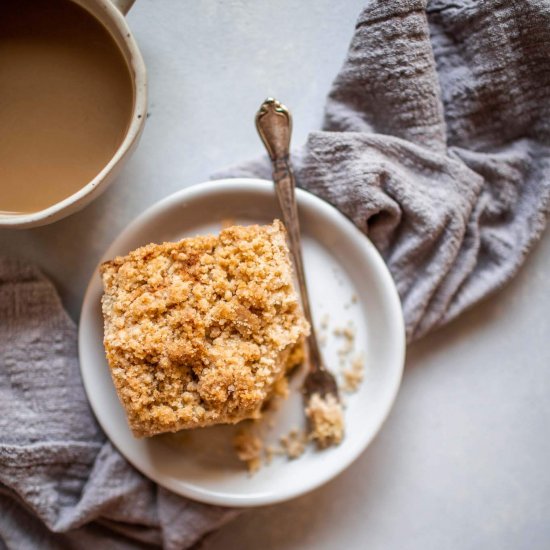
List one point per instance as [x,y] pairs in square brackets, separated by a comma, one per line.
[463,461]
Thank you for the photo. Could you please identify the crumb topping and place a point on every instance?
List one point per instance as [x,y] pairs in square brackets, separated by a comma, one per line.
[326,420]
[198,332]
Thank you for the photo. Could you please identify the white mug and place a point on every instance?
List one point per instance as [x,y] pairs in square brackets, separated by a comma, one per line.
[111,14]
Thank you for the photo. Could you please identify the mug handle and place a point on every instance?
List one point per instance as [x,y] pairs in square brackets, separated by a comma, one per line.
[123,5]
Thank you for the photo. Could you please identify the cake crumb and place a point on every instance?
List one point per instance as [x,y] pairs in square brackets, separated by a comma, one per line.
[324,321]
[346,348]
[248,447]
[353,376]
[354,298]
[326,420]
[294,443]
[348,334]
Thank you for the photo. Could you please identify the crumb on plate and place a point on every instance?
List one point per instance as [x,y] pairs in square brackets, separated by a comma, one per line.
[248,447]
[326,420]
[353,375]
[294,443]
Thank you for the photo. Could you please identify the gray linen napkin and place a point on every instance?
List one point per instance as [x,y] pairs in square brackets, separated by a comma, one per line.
[61,483]
[435,143]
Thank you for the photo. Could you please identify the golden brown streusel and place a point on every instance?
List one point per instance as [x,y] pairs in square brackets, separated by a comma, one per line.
[198,332]
[326,420]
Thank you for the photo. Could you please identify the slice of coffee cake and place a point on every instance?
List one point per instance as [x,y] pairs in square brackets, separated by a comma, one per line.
[199,331]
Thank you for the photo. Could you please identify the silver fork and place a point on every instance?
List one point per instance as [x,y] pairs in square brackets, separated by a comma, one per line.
[274,125]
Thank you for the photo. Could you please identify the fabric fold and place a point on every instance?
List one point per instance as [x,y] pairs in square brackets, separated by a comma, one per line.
[436,144]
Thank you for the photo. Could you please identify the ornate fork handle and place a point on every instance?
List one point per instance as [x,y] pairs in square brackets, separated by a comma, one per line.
[274,125]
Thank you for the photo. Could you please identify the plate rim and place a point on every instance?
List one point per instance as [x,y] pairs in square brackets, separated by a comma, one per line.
[217,186]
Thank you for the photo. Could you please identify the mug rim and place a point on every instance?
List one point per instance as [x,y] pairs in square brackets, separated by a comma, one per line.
[95,186]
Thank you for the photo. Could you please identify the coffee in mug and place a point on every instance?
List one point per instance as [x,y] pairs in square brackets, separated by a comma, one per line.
[66,100]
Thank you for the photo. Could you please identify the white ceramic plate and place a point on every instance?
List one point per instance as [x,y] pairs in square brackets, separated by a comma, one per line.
[348,282]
